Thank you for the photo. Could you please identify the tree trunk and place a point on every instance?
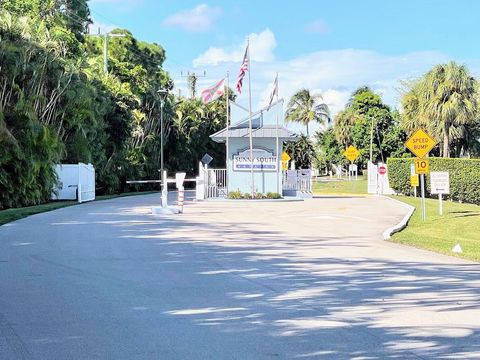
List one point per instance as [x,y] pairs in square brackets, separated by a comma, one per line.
[446,141]
[308,132]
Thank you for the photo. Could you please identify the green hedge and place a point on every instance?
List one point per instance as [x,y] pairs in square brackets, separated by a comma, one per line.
[464,177]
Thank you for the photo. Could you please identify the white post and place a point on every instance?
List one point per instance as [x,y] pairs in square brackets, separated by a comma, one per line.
[422,184]
[440,205]
[227,150]
[164,189]
[250,119]
[276,137]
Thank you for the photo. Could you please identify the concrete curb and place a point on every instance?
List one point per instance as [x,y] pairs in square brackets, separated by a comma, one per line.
[387,234]
[253,200]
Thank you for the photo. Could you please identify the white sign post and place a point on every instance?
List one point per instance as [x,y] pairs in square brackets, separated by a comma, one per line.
[440,184]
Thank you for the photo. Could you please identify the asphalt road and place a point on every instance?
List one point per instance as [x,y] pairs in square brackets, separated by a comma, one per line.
[306,280]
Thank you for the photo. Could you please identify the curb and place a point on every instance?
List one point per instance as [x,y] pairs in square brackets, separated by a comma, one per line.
[253,200]
[387,234]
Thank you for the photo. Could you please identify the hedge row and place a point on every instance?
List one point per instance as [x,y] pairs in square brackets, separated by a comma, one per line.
[464,177]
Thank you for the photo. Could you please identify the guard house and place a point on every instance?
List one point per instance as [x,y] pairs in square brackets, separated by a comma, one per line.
[267,166]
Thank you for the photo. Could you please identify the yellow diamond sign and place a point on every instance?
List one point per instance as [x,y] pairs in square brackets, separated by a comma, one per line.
[420,143]
[285,156]
[351,153]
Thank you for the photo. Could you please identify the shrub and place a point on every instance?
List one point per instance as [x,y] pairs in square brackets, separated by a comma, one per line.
[273,195]
[464,177]
[235,194]
[238,195]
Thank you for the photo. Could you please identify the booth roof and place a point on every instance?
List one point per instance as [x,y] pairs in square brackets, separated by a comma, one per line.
[265,131]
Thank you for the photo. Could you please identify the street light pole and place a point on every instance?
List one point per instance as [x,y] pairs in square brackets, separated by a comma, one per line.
[163,95]
[371,139]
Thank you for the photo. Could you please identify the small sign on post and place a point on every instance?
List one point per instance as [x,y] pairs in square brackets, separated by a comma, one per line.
[420,144]
[351,153]
[440,184]
[421,166]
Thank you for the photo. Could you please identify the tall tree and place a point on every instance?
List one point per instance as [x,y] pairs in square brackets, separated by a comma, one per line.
[305,108]
[444,101]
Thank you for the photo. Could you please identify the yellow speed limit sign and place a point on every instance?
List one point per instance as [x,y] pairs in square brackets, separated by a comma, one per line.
[421,166]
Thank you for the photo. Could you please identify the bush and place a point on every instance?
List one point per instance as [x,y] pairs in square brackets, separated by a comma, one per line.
[238,195]
[464,177]
[235,195]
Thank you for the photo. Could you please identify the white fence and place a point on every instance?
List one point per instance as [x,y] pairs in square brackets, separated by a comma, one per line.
[75,182]
[216,183]
[298,180]
[211,183]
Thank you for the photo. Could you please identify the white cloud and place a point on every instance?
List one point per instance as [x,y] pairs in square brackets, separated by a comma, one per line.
[261,49]
[333,73]
[318,26]
[198,19]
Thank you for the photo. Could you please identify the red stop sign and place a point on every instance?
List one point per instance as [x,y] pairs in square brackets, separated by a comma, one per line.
[382,169]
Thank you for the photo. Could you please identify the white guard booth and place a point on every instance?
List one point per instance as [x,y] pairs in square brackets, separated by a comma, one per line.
[75,182]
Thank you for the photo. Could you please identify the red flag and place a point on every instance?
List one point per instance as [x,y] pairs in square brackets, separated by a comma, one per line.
[213,92]
[243,70]
[274,92]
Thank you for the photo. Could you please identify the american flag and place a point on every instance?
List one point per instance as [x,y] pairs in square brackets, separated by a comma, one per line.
[243,69]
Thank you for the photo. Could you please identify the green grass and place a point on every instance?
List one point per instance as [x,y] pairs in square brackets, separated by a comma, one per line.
[9,215]
[459,224]
[340,187]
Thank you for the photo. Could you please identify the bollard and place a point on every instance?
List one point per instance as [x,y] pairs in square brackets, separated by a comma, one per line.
[181,198]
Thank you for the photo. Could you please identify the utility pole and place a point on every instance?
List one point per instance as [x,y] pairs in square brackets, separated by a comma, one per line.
[106,36]
[192,82]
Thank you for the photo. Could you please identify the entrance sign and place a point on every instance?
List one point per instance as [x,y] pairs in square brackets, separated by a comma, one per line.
[263,160]
[414,181]
[351,153]
[421,166]
[440,182]
[420,143]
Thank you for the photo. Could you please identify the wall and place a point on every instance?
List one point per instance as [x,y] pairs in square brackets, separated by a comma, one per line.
[265,181]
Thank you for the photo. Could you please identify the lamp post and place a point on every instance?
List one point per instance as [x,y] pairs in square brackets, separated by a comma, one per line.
[163,96]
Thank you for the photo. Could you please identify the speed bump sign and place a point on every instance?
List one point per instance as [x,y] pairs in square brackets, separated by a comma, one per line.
[420,143]
[351,153]
[421,166]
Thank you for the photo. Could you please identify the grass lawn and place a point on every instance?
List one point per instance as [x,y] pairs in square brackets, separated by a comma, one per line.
[460,224]
[19,213]
[342,186]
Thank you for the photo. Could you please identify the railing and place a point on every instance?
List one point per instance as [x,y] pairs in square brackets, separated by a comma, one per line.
[216,184]
[299,180]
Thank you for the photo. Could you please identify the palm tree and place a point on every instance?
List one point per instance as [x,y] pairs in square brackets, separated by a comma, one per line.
[305,108]
[444,101]
[344,122]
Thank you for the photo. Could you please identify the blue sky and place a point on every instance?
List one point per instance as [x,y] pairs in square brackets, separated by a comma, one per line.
[330,47]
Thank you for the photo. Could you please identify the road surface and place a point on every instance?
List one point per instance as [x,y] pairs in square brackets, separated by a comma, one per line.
[296,280]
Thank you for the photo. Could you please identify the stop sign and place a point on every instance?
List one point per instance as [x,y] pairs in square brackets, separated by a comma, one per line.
[382,169]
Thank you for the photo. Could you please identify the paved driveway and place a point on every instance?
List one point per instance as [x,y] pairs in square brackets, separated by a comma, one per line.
[306,280]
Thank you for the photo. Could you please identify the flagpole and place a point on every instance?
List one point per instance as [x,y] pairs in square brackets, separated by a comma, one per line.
[250,117]
[227,155]
[277,142]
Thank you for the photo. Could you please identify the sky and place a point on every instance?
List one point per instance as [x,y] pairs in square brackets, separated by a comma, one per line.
[329,47]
